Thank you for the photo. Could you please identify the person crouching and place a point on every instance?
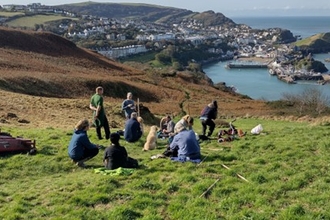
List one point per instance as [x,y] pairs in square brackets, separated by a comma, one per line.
[80,148]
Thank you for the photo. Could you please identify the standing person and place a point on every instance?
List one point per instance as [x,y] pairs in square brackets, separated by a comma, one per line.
[100,118]
[208,114]
[128,106]
[80,148]
[116,155]
[186,145]
[133,130]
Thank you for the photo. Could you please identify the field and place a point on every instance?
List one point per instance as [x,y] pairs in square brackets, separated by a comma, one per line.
[283,173]
[10,14]
[30,21]
[45,86]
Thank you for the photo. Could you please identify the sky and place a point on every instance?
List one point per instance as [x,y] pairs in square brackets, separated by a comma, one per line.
[230,8]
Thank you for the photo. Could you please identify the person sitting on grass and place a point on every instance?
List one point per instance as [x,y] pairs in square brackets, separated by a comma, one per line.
[186,145]
[133,130]
[169,130]
[116,156]
[186,122]
[80,148]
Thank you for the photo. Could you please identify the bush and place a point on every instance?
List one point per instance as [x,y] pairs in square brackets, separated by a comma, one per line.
[310,102]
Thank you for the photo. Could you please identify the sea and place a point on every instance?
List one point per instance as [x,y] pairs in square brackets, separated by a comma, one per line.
[258,83]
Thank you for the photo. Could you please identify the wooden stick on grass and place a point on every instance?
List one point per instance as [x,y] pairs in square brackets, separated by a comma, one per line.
[201,161]
[236,173]
[208,189]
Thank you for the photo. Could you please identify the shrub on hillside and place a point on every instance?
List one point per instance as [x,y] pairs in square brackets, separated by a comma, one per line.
[310,102]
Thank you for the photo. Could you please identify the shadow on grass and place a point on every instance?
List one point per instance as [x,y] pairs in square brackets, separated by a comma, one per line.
[48,150]
[219,158]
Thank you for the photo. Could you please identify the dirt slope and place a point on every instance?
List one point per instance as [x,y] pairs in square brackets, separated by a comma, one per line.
[47,80]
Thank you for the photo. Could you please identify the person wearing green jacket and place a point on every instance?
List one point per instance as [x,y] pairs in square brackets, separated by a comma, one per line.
[99,115]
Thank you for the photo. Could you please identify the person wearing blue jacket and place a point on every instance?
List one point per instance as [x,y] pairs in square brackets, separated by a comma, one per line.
[186,144]
[128,106]
[80,148]
[133,130]
[208,114]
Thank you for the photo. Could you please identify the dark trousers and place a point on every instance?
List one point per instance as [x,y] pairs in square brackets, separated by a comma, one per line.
[88,154]
[106,129]
[211,124]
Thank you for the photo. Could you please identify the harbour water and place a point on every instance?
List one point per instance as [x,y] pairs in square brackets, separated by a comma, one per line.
[258,83]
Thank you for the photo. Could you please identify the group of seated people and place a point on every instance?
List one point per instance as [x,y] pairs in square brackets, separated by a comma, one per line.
[81,149]
[183,145]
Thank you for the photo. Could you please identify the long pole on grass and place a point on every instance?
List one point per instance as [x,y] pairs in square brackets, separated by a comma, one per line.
[208,189]
[236,173]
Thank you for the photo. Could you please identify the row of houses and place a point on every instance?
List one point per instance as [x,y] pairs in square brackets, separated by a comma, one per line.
[121,51]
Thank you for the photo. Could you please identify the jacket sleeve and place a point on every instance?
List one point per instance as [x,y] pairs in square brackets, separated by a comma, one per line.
[86,143]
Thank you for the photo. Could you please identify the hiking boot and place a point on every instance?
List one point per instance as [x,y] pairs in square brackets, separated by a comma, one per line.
[80,164]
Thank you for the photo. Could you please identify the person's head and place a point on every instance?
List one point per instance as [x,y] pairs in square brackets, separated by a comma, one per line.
[134,115]
[82,125]
[189,120]
[168,118]
[129,95]
[114,138]
[99,90]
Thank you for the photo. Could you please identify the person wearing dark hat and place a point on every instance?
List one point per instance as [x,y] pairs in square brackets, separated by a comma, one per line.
[116,156]
[208,114]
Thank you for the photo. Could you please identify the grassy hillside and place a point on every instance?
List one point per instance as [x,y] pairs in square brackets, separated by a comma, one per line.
[46,65]
[280,174]
[45,86]
[10,14]
[31,21]
[146,12]
[316,43]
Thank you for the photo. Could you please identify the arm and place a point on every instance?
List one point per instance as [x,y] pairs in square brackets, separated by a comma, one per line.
[99,106]
[125,105]
[86,143]
[174,144]
[92,107]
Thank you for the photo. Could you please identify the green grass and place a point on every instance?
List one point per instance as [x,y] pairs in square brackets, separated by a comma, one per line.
[10,14]
[30,21]
[287,168]
[142,58]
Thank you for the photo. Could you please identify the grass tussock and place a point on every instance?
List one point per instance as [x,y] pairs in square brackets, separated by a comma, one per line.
[285,169]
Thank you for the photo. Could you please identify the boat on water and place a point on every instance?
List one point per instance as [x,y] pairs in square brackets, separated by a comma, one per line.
[327,60]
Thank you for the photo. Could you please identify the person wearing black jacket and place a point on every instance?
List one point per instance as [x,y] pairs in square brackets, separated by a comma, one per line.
[116,155]
[208,114]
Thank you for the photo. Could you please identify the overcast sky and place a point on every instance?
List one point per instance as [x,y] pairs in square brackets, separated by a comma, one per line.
[227,7]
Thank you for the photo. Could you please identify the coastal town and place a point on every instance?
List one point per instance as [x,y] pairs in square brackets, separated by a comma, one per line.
[269,48]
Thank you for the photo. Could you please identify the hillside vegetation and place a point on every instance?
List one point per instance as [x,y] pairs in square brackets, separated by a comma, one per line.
[32,20]
[147,13]
[46,72]
[317,43]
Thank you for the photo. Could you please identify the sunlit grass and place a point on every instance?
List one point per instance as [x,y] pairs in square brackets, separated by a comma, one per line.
[285,170]
[31,21]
